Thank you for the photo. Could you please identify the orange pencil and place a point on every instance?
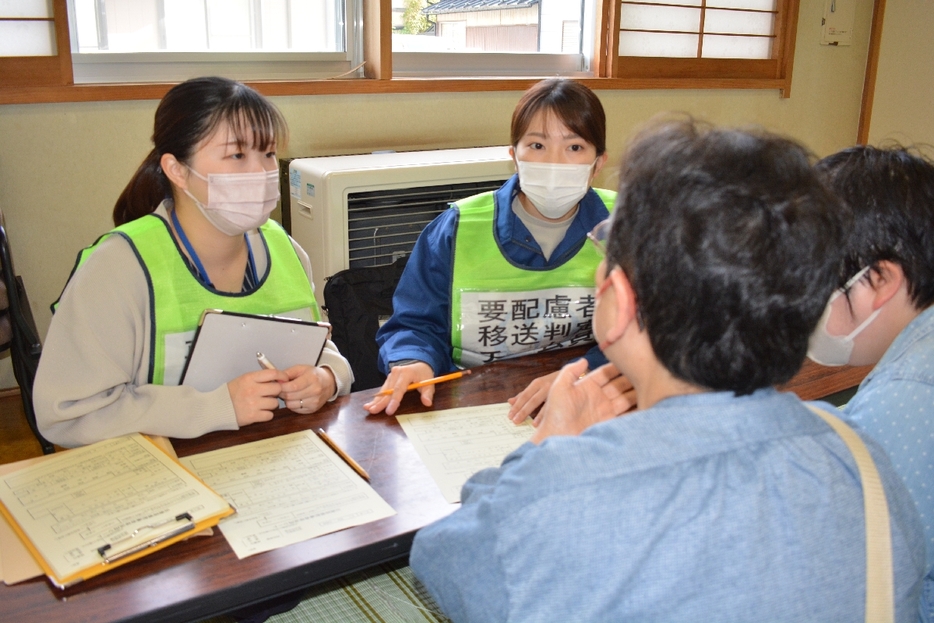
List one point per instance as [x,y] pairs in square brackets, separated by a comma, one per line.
[346,457]
[437,379]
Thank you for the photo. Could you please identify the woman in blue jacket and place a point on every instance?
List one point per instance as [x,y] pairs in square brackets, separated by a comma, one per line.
[507,273]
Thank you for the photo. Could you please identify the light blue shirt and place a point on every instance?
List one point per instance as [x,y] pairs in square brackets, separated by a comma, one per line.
[895,404]
[705,507]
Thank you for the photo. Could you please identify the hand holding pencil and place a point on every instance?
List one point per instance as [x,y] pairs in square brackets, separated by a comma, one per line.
[425,383]
[414,376]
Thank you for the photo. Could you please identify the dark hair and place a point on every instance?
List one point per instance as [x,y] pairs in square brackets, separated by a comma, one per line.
[891,195]
[731,243]
[574,104]
[188,114]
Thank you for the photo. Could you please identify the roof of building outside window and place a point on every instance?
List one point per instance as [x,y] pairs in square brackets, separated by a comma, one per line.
[466,6]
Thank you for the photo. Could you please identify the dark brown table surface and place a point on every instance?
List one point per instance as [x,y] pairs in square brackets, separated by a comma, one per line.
[202,577]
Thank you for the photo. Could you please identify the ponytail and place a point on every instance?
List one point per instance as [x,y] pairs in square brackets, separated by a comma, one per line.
[146,190]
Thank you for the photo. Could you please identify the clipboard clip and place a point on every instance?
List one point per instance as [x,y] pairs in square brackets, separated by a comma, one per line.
[174,531]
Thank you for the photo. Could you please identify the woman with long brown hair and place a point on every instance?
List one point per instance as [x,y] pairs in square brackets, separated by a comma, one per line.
[192,233]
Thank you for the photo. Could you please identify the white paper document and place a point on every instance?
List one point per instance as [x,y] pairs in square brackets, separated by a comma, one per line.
[85,509]
[286,489]
[455,444]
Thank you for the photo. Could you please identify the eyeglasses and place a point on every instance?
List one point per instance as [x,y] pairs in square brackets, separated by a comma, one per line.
[852,281]
[598,235]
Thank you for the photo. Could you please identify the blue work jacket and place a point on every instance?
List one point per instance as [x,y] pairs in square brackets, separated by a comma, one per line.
[420,326]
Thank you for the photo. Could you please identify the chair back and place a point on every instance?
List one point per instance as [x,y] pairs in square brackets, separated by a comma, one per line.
[24,344]
[6,329]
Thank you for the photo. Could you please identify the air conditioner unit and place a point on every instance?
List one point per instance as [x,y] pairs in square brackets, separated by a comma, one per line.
[368,210]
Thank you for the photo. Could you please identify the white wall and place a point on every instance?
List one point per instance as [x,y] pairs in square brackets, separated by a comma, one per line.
[903,106]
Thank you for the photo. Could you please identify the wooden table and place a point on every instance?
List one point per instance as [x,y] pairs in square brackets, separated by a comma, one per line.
[202,577]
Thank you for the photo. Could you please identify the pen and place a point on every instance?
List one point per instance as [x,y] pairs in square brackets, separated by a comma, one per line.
[333,446]
[263,362]
[437,379]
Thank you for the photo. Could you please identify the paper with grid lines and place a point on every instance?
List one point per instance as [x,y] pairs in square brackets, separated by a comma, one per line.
[455,444]
[286,489]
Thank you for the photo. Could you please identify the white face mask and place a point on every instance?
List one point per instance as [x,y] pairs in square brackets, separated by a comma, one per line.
[835,350]
[554,188]
[238,202]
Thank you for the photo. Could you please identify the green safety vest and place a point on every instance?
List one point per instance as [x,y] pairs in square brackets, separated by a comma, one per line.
[499,310]
[177,298]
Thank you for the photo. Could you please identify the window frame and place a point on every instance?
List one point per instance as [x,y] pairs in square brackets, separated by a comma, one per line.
[50,79]
[506,64]
[122,68]
[776,68]
[41,71]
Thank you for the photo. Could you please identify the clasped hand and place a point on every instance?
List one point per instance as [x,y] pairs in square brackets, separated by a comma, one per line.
[303,388]
[577,401]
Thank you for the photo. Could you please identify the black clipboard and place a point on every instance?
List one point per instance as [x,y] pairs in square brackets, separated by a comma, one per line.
[226,344]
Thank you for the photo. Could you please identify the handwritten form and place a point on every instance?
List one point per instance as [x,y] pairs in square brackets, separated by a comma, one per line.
[107,493]
[286,490]
[455,444]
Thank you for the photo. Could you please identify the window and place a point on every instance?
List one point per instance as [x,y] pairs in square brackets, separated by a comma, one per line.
[27,27]
[209,25]
[570,37]
[489,37]
[171,40]
[705,38]
[705,30]
[34,43]
[402,45]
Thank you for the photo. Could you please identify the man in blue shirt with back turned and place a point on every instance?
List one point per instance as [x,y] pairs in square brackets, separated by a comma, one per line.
[720,499]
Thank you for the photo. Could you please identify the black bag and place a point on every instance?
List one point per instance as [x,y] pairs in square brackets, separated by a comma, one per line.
[355,300]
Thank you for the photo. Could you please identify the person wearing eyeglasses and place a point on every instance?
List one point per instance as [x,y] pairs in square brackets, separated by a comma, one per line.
[883,313]
[720,498]
[507,273]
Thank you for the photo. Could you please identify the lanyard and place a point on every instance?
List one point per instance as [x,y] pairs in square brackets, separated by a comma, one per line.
[199,267]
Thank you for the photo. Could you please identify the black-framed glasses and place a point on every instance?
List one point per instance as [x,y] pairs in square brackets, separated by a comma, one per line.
[598,235]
